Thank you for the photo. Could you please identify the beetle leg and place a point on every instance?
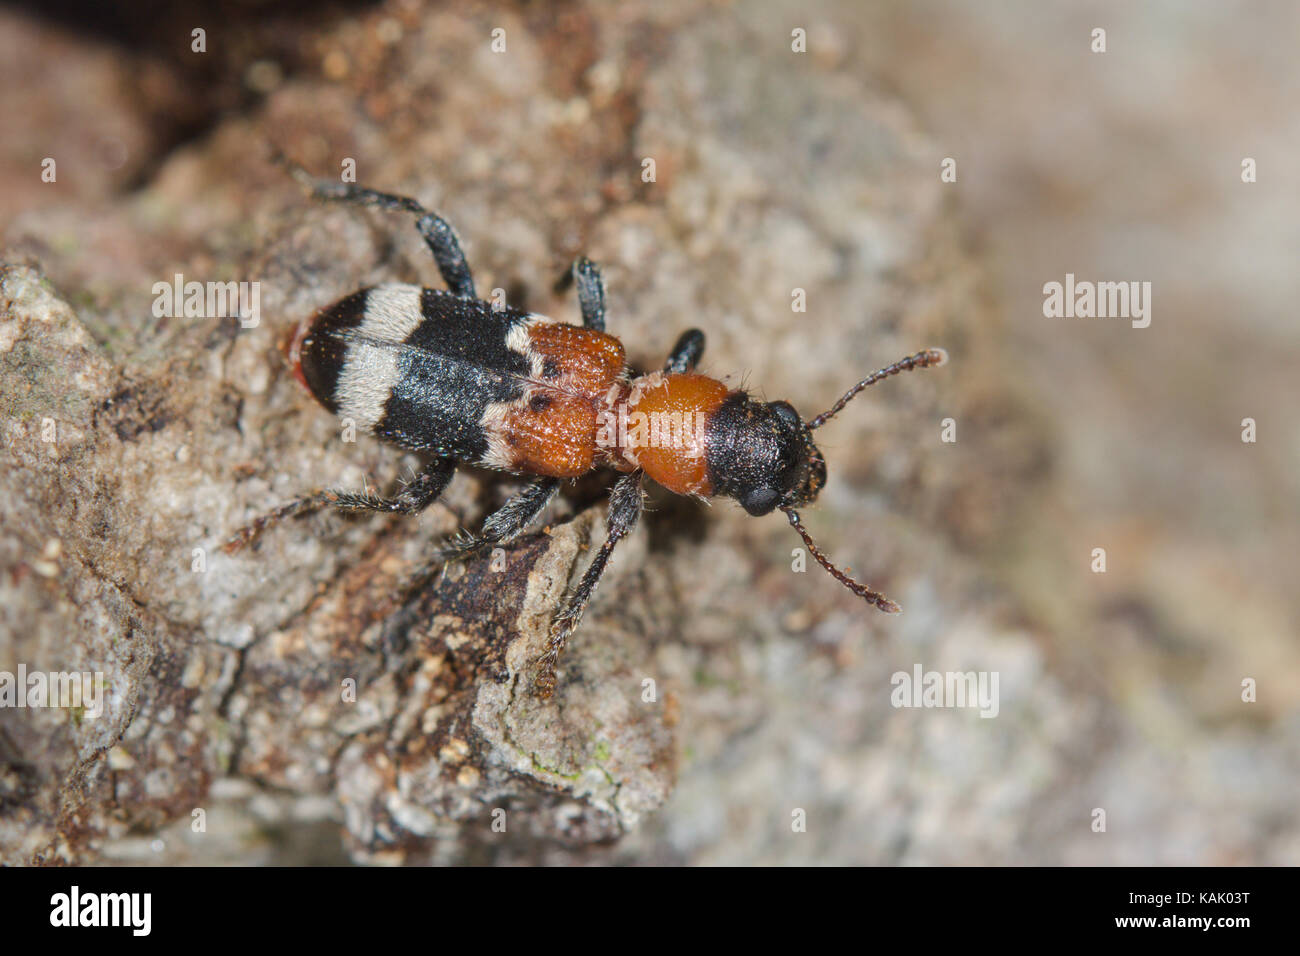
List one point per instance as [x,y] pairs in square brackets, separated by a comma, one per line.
[686,353]
[591,293]
[624,510]
[506,523]
[415,497]
[437,232]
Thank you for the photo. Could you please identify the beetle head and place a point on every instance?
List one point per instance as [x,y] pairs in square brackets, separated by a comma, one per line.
[762,454]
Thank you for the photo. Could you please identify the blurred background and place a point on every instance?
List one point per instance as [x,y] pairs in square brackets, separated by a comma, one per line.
[776,169]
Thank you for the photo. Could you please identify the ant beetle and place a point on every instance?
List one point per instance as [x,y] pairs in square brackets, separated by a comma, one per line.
[451,376]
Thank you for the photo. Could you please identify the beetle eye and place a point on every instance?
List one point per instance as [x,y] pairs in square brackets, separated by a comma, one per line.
[760,501]
[785,411]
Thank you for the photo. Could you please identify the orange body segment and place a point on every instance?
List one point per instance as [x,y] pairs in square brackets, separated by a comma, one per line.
[662,427]
[552,430]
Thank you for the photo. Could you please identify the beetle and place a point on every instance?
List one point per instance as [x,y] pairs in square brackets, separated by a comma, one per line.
[463,381]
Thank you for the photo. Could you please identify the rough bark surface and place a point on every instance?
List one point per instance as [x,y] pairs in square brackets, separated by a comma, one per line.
[711,692]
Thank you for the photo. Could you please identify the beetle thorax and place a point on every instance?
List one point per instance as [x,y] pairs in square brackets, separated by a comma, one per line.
[659,422]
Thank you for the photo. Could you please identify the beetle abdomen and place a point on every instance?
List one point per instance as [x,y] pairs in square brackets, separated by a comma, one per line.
[431,371]
[550,429]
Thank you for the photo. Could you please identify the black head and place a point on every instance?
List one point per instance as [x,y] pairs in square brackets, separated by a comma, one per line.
[762,454]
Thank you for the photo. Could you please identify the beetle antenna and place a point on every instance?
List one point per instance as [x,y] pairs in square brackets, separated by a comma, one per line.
[927,358]
[861,590]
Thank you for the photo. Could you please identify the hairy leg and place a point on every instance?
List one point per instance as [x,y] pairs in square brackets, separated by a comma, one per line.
[686,353]
[624,511]
[414,498]
[437,232]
